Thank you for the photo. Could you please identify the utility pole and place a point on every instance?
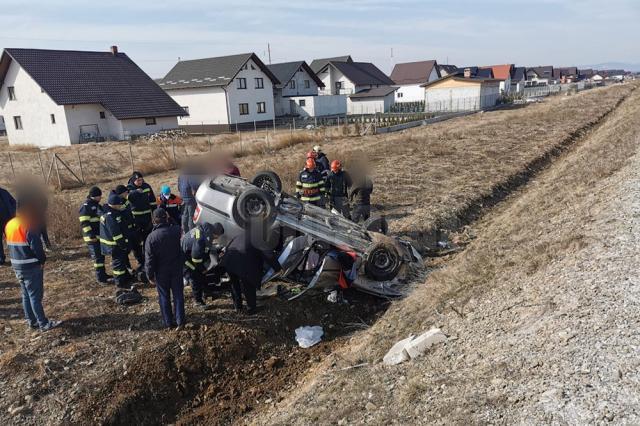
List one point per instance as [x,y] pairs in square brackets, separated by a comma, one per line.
[269,50]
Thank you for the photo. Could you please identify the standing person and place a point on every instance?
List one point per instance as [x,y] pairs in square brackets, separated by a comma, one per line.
[141,210]
[310,186]
[89,216]
[129,230]
[137,182]
[28,260]
[360,198]
[338,184]
[244,263]
[322,161]
[196,246]
[113,241]
[7,212]
[164,267]
[187,191]
[171,203]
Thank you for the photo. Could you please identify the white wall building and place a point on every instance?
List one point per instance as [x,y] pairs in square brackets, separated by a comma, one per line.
[318,106]
[372,101]
[56,97]
[539,76]
[409,76]
[222,92]
[457,93]
[296,79]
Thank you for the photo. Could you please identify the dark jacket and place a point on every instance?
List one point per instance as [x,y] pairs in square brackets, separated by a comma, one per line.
[310,185]
[173,206]
[338,184]
[322,162]
[140,208]
[163,259]
[89,215]
[245,261]
[196,248]
[361,192]
[112,234]
[7,207]
[146,189]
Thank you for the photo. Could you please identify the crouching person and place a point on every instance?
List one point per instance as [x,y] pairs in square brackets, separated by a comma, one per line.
[164,267]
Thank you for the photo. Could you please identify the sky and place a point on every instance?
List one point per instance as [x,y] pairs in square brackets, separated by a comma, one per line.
[155,34]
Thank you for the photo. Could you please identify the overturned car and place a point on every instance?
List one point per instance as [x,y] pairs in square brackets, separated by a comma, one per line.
[317,248]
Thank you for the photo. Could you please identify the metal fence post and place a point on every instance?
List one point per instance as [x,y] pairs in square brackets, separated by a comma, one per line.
[11,162]
[173,149]
[80,164]
[55,162]
[131,158]
[255,129]
[41,166]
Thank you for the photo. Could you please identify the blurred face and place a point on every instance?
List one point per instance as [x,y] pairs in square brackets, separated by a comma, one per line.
[97,199]
[138,182]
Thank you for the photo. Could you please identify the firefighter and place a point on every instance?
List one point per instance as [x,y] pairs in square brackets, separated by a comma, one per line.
[89,216]
[197,245]
[310,186]
[141,208]
[130,230]
[113,241]
[338,184]
[360,198]
[322,161]
[171,203]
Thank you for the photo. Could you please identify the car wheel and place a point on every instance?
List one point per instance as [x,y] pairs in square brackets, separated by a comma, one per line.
[376,224]
[268,181]
[382,261]
[257,206]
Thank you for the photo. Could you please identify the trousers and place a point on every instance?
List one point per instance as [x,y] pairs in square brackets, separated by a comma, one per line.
[240,286]
[188,210]
[32,286]
[170,289]
[119,260]
[98,260]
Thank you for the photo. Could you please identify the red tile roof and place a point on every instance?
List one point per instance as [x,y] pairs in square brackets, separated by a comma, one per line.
[501,72]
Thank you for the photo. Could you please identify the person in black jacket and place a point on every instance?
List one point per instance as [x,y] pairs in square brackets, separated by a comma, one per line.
[338,184]
[7,212]
[143,202]
[130,230]
[360,198]
[164,267]
[322,161]
[245,265]
[89,216]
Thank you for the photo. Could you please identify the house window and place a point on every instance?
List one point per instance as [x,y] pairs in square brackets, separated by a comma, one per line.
[17,122]
[303,102]
[102,115]
[259,83]
[307,84]
[338,87]
[242,83]
[150,121]
[262,107]
[400,94]
[12,93]
[245,67]
[186,110]
[252,67]
[53,119]
[292,84]
[244,109]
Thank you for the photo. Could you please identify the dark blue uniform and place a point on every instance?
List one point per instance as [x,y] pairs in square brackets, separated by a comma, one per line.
[113,242]
[131,234]
[196,248]
[89,216]
[164,266]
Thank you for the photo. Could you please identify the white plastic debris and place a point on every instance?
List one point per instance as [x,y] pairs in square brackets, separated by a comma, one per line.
[308,336]
[333,297]
[413,346]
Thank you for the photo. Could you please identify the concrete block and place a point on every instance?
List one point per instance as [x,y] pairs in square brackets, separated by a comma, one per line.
[397,354]
[420,344]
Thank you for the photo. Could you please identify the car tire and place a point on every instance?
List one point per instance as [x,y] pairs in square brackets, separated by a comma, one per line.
[382,261]
[268,181]
[255,206]
[376,224]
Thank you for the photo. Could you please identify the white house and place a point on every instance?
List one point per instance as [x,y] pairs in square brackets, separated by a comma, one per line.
[296,80]
[518,79]
[350,78]
[502,73]
[372,101]
[459,93]
[409,76]
[538,76]
[60,97]
[222,92]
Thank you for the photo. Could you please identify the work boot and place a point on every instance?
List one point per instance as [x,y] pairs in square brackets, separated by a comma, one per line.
[104,279]
[50,325]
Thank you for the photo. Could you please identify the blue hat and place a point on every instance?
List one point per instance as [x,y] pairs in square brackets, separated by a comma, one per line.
[114,199]
[165,190]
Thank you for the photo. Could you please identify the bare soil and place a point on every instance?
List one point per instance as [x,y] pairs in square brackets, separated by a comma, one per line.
[115,365]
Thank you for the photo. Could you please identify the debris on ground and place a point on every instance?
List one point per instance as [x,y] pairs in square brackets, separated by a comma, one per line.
[308,336]
[413,347]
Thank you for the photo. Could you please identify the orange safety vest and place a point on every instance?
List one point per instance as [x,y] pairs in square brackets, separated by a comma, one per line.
[21,254]
[170,203]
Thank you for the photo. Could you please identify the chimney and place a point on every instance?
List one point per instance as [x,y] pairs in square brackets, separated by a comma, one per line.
[467,73]
[114,50]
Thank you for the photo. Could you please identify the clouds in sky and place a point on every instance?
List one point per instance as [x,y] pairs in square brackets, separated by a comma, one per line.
[155,34]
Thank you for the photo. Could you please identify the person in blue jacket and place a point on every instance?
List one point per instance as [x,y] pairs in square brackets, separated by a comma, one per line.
[7,212]
[164,267]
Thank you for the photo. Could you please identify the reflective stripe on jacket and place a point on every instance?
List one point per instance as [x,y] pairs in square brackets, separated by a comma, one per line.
[310,185]
[25,246]
[112,232]
[89,216]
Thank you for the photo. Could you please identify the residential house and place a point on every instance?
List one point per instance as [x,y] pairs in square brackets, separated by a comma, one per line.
[502,73]
[350,78]
[599,77]
[566,74]
[409,76]
[297,92]
[615,74]
[539,76]
[461,93]
[518,79]
[63,97]
[476,72]
[222,92]
[318,64]
[446,70]
[586,74]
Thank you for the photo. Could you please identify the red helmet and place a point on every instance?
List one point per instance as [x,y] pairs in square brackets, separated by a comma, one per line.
[311,164]
[336,165]
[312,154]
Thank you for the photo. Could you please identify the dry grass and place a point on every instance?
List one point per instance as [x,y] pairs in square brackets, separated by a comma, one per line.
[536,228]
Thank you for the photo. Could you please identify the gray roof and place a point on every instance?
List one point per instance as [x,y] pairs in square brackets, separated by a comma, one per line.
[449,69]
[318,64]
[414,72]
[210,72]
[519,74]
[113,80]
[374,92]
[363,73]
[285,71]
